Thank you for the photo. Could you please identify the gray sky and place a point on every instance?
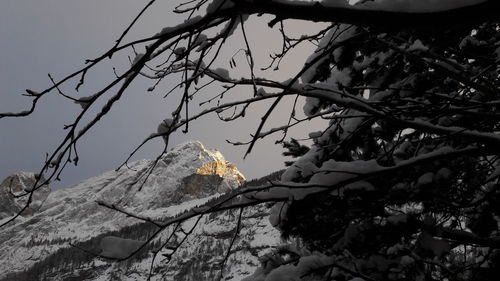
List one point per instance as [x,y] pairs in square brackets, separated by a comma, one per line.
[56,36]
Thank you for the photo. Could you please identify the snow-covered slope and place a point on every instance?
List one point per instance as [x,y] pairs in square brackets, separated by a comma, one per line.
[186,176]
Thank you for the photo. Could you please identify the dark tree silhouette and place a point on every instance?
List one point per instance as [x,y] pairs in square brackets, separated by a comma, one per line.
[403,182]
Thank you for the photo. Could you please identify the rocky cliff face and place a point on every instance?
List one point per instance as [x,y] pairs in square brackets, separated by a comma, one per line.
[37,247]
[16,185]
[221,168]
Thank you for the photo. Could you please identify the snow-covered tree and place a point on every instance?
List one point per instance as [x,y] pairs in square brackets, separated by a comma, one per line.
[403,182]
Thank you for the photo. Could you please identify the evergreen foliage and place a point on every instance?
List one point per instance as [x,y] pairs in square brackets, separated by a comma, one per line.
[294,149]
[434,220]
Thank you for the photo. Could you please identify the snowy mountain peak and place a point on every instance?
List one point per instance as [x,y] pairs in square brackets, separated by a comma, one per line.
[16,185]
[149,184]
[19,182]
[211,160]
[179,175]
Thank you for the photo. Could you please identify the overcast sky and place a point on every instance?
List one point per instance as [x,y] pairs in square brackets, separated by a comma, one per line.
[56,36]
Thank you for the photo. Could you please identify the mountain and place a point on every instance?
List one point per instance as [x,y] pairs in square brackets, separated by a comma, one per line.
[55,240]
[14,185]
